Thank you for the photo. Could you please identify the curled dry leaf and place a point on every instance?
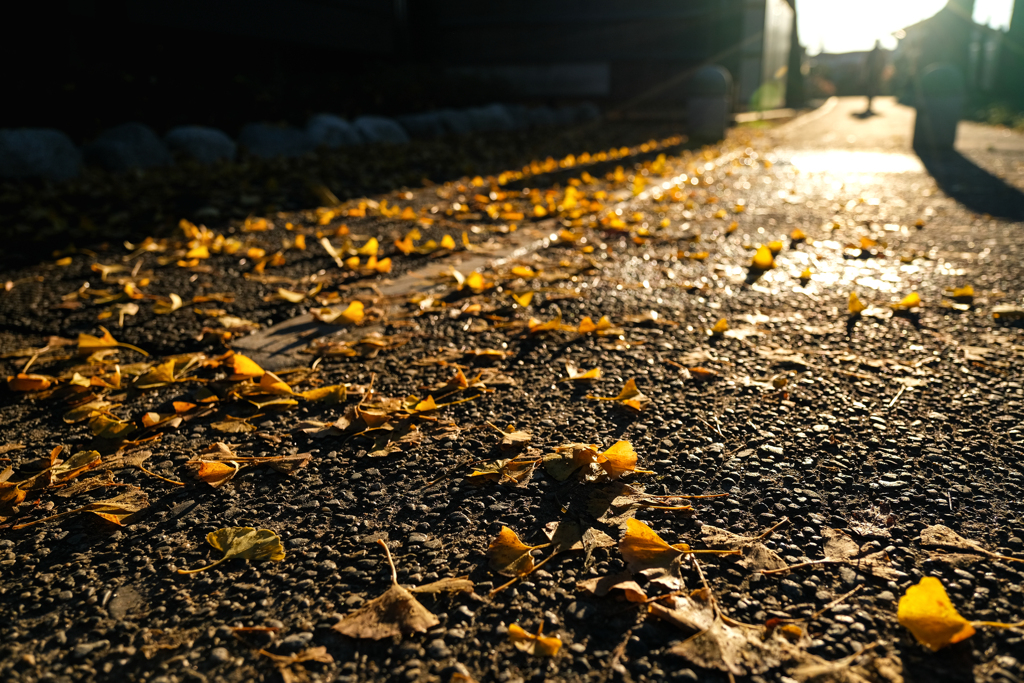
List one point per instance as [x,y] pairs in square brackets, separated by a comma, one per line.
[214,473]
[540,645]
[756,556]
[284,663]
[941,536]
[854,306]
[114,510]
[26,382]
[157,376]
[395,613]
[577,375]
[272,384]
[168,305]
[623,581]
[568,459]
[244,543]
[720,327]
[739,650]
[508,555]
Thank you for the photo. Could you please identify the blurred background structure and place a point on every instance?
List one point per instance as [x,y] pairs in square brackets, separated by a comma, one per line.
[85,65]
[225,62]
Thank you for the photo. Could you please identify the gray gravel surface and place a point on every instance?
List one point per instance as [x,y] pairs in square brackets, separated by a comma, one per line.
[889,423]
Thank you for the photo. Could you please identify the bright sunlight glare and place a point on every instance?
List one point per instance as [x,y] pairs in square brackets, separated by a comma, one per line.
[852,25]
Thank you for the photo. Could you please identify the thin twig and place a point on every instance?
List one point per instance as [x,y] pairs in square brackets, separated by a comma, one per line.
[837,601]
[391,562]
[169,481]
[537,566]
[784,520]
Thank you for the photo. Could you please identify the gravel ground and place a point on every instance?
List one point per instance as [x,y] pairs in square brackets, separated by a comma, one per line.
[811,420]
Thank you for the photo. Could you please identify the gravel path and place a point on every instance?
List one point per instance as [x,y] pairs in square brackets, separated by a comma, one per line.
[818,425]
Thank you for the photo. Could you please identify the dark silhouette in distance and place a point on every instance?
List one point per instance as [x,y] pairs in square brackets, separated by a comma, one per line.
[874,65]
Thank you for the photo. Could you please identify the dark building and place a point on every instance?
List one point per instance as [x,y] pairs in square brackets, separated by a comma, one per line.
[610,50]
[93,63]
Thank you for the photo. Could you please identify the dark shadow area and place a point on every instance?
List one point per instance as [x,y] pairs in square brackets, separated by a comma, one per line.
[972,186]
[863,115]
[39,217]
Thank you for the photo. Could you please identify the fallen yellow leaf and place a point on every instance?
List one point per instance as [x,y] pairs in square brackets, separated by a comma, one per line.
[926,610]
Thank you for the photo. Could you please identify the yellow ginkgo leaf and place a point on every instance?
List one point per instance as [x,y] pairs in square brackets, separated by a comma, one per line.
[721,327]
[383,266]
[926,610]
[370,248]
[763,259]
[354,313]
[244,543]
[157,376]
[216,474]
[535,325]
[243,367]
[508,555]
[447,242]
[587,325]
[775,246]
[576,375]
[642,548]
[524,271]
[272,384]
[855,306]
[618,460]
[911,300]
[476,283]
[542,646]
[630,396]
[523,299]
[805,274]
[965,292]
[352,262]
[425,405]
[797,235]
[89,344]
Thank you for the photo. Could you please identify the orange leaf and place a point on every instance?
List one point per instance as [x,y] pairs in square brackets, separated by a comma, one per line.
[28,382]
[244,367]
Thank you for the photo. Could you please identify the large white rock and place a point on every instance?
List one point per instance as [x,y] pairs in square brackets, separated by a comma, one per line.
[266,141]
[38,153]
[332,131]
[381,129]
[205,145]
[426,125]
[128,146]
